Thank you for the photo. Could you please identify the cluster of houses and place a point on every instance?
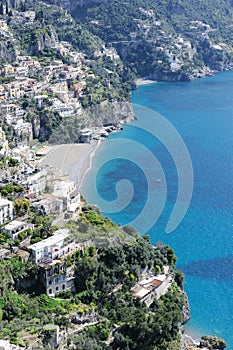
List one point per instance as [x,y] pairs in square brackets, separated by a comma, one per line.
[48,193]
[49,254]
[30,84]
[27,85]
[44,83]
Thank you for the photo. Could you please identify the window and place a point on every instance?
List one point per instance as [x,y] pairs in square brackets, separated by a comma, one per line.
[57,288]
[63,287]
[50,291]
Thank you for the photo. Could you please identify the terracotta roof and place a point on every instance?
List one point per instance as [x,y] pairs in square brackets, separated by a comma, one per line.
[156,283]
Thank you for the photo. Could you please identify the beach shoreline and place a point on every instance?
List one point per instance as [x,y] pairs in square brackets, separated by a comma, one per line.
[81,169]
[72,160]
[191,336]
[141,82]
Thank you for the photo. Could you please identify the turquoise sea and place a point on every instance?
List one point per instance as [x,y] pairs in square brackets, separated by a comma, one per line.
[202,113]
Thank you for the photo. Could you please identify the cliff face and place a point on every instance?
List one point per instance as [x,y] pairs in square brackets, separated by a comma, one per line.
[170,76]
[7,51]
[41,41]
[186,309]
[107,113]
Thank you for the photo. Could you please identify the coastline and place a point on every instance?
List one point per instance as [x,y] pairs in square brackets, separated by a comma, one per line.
[72,160]
[80,170]
[141,82]
[190,337]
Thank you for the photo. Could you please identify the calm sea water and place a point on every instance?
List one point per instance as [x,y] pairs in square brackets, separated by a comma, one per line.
[202,112]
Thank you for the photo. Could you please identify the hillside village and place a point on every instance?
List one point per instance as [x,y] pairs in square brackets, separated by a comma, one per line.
[46,227]
[30,190]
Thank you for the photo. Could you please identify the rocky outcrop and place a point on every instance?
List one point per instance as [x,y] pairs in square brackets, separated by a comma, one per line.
[35,127]
[41,41]
[7,51]
[109,113]
[206,343]
[212,342]
[186,309]
[170,76]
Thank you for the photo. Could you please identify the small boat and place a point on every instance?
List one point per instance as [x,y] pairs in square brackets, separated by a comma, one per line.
[158,180]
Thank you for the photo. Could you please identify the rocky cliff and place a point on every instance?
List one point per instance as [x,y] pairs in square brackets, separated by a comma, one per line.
[7,51]
[169,76]
[106,113]
[186,309]
[41,40]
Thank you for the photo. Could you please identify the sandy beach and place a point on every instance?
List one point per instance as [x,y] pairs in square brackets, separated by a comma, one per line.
[74,160]
[140,82]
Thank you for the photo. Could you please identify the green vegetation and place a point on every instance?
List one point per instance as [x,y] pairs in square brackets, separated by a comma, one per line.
[43,227]
[8,162]
[119,264]
[58,23]
[103,278]
[134,325]
[23,312]
[10,189]
[140,28]
[91,215]
[212,342]
[21,207]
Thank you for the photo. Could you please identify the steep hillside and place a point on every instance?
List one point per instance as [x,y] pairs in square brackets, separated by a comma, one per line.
[159,37]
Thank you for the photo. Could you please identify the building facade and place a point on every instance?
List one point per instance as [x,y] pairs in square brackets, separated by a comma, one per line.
[6,211]
[59,245]
[57,277]
[15,227]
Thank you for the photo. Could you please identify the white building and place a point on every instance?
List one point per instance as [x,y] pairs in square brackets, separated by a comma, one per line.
[3,144]
[36,183]
[57,246]
[5,345]
[67,191]
[6,211]
[49,205]
[15,227]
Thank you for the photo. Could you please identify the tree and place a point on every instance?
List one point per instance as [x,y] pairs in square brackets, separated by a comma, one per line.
[179,278]
[21,207]
[85,273]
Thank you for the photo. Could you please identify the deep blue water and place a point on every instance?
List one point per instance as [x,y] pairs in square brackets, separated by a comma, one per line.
[202,113]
